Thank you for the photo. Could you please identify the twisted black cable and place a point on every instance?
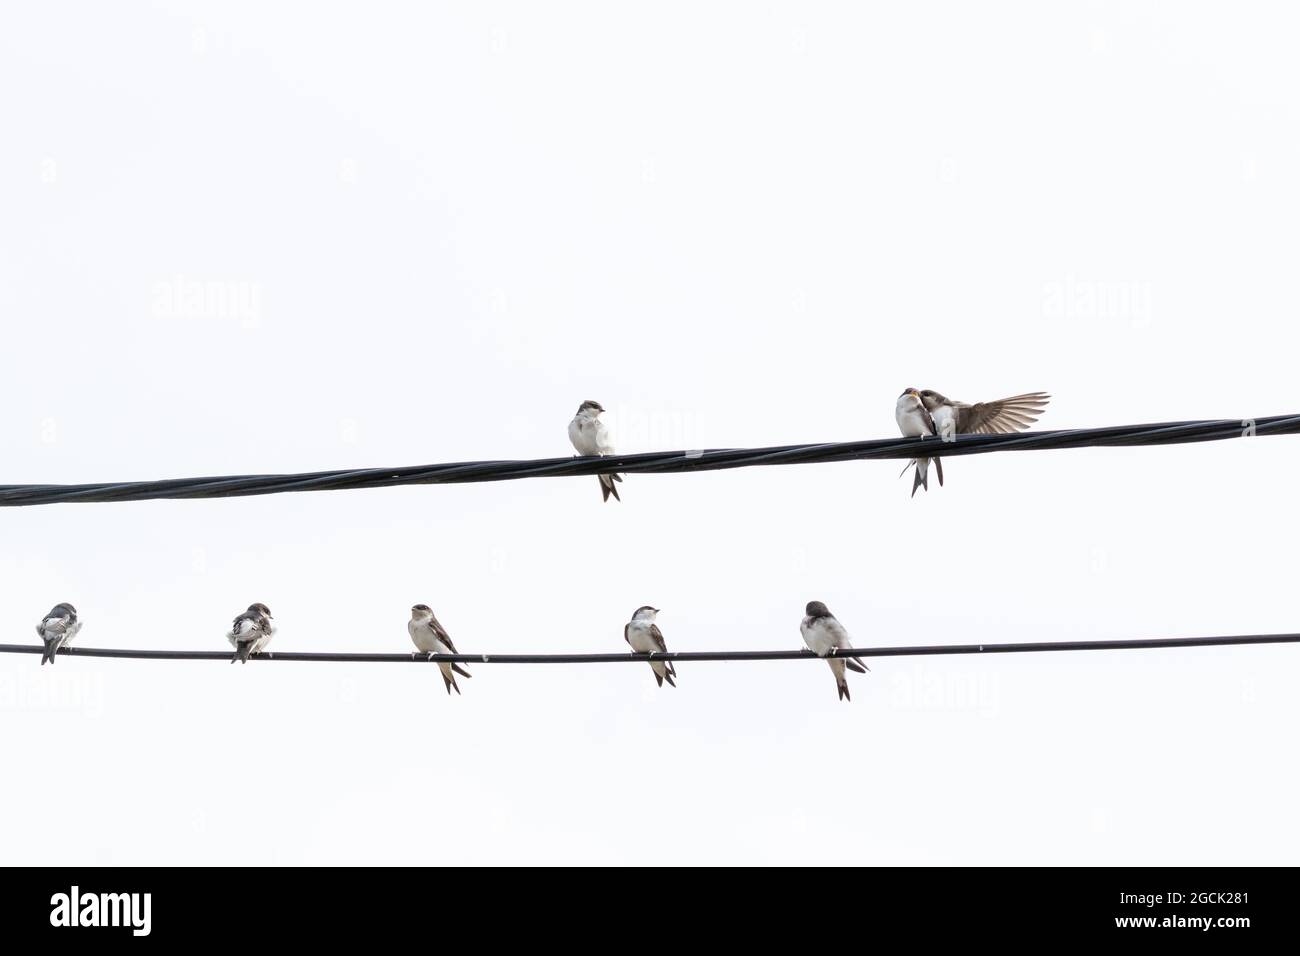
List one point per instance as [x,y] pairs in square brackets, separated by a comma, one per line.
[791,655]
[1171,433]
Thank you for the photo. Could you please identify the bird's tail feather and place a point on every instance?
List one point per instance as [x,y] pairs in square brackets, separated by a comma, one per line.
[242,650]
[51,648]
[922,477]
[664,671]
[607,487]
[843,687]
[938,468]
[450,680]
[460,670]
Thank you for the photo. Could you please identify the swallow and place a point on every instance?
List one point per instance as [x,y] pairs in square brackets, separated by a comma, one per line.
[432,638]
[824,635]
[57,628]
[914,421]
[644,637]
[251,632]
[590,437]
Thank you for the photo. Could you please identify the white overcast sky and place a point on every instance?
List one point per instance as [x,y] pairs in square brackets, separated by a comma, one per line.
[248,237]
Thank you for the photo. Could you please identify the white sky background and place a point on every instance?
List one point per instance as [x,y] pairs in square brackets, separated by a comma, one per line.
[734,225]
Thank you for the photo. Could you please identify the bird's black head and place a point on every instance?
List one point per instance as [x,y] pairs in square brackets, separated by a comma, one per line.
[817,609]
[590,406]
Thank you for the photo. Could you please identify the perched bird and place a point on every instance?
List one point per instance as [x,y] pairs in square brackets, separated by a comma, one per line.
[824,636]
[926,412]
[430,637]
[58,627]
[644,636]
[251,632]
[590,437]
[914,421]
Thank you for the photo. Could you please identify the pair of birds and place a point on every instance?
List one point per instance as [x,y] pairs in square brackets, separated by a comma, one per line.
[252,631]
[924,413]
[824,635]
[641,633]
[249,633]
[920,413]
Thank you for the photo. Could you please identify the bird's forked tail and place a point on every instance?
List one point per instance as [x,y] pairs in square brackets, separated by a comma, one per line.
[449,679]
[922,477]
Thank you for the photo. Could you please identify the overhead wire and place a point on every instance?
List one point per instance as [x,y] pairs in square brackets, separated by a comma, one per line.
[669,462]
[924,650]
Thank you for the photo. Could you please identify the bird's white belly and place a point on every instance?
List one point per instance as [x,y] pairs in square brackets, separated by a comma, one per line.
[911,424]
[820,639]
[639,637]
[425,640]
[583,437]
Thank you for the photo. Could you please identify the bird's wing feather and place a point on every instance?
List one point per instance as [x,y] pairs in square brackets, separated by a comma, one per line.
[250,627]
[1005,415]
[928,419]
[627,628]
[442,634]
[53,626]
[839,635]
[657,636]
